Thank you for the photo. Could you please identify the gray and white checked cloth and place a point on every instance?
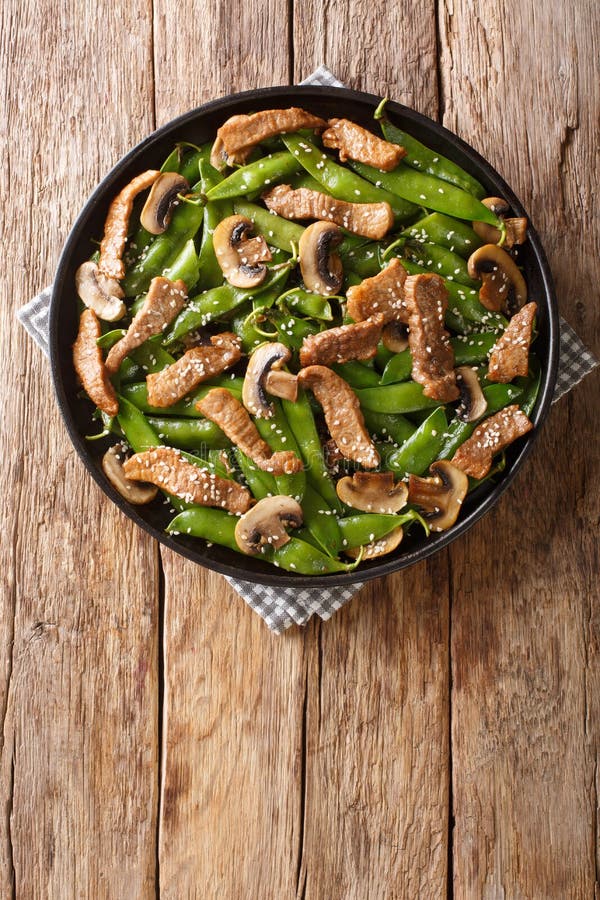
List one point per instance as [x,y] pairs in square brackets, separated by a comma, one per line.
[282,607]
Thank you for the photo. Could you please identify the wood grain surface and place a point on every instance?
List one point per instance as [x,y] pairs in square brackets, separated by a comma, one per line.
[439,736]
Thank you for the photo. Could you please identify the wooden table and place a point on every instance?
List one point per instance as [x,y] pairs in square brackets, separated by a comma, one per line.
[440,733]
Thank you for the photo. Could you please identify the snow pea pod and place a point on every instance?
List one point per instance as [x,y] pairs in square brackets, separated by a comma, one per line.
[256,176]
[473,348]
[321,521]
[357,375]
[138,395]
[301,557]
[398,368]
[277,231]
[445,231]
[305,303]
[291,331]
[428,191]
[165,248]
[395,398]
[341,182]
[531,386]
[498,396]
[214,525]
[189,434]
[110,338]
[360,529]
[190,166]
[186,266]
[422,448]
[429,161]
[389,425]
[302,423]
[260,483]
[279,436]
[433,258]
[139,433]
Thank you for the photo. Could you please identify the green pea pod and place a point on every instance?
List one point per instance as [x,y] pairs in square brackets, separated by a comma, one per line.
[342,183]
[260,483]
[428,191]
[190,166]
[473,348]
[498,396]
[189,434]
[216,303]
[270,170]
[389,425]
[137,394]
[429,161]
[398,368]
[395,398]
[305,303]
[438,260]
[139,433]
[214,525]
[164,249]
[173,161]
[445,231]
[185,266]
[356,375]
[302,423]
[363,260]
[110,338]
[321,522]
[304,559]
[277,231]
[422,448]
[291,331]
[277,433]
[360,529]
[151,357]
[531,386]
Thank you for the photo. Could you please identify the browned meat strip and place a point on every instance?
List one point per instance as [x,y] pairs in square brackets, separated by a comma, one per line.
[195,366]
[169,470]
[432,355]
[355,142]
[475,456]
[338,345]
[239,134]
[117,224]
[89,365]
[224,410]
[510,355]
[372,220]
[164,301]
[342,414]
[383,293]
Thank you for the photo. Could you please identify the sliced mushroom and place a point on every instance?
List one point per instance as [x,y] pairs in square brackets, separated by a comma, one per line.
[162,199]
[503,286]
[265,524]
[516,228]
[321,267]
[282,384]
[372,492]
[395,337]
[472,403]
[441,496]
[100,292]
[383,546]
[134,491]
[264,359]
[240,256]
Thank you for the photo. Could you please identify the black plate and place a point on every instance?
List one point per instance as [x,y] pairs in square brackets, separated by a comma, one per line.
[198,127]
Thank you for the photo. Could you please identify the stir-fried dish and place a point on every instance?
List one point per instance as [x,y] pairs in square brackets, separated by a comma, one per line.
[309,336]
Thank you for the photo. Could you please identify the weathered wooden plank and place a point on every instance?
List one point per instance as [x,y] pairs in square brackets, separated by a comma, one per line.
[79,582]
[519,83]
[377,767]
[232,738]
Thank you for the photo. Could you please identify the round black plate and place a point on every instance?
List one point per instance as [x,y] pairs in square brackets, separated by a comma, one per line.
[199,126]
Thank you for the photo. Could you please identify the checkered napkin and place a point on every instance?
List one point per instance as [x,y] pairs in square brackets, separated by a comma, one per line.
[282,607]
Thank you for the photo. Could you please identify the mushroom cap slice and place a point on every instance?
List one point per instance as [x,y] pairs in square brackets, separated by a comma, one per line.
[265,358]
[372,492]
[503,287]
[282,384]
[516,228]
[395,337]
[133,491]
[383,546]
[240,256]
[321,268]
[100,292]
[162,199]
[441,496]
[472,403]
[265,524]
